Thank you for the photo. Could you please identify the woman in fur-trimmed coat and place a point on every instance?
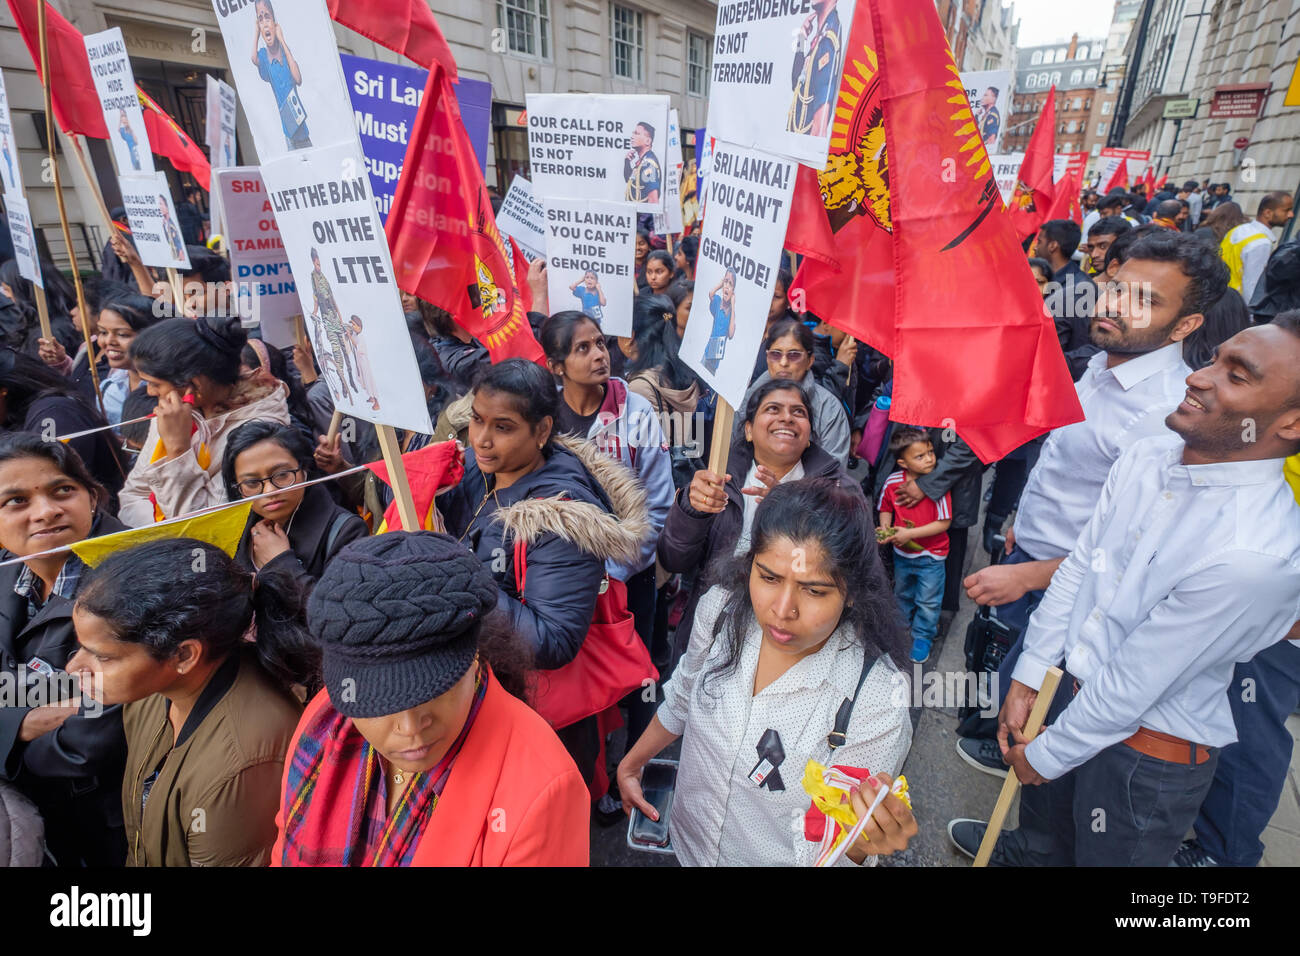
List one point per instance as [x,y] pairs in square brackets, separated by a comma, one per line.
[572,508]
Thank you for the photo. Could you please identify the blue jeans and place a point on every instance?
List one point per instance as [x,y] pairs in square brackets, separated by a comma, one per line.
[918,586]
[1248,782]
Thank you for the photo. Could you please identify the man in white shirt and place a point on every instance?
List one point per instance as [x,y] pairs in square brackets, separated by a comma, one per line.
[1252,242]
[1191,191]
[1189,564]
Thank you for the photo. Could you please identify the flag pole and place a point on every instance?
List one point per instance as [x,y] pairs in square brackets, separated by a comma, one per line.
[401,486]
[178,289]
[63,214]
[1037,714]
[42,310]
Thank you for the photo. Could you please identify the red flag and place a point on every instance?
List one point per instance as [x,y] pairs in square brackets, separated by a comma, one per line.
[1066,205]
[928,270]
[1034,190]
[1150,181]
[428,471]
[1163,181]
[76,104]
[407,27]
[166,138]
[1119,179]
[444,239]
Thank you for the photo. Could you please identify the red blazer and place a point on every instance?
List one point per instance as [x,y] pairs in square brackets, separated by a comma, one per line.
[514,797]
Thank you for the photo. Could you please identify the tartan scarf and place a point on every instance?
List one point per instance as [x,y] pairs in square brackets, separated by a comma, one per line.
[335,797]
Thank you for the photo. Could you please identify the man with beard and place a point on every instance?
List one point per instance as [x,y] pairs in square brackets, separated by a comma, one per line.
[1158,299]
[1189,564]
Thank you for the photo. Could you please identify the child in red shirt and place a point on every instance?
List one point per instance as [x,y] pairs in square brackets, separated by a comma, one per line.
[919,535]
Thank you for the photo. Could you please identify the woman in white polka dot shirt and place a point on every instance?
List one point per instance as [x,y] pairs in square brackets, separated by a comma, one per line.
[776,651]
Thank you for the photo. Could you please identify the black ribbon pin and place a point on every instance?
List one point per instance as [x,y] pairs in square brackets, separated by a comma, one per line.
[770,756]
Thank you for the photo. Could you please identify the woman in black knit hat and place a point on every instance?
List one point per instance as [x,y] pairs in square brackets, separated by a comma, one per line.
[419,752]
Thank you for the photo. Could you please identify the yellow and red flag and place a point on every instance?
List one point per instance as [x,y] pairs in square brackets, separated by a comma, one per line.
[444,238]
[908,250]
[1034,192]
[1066,205]
[222,527]
[428,471]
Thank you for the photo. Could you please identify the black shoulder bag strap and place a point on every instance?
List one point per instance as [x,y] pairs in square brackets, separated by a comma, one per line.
[836,737]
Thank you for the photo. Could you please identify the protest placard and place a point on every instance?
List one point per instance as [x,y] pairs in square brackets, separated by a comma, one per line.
[284,64]
[115,83]
[704,150]
[599,147]
[740,252]
[23,234]
[10,171]
[1006,167]
[221,123]
[776,73]
[988,92]
[385,98]
[591,260]
[1135,161]
[259,266]
[339,257]
[522,218]
[669,222]
[149,208]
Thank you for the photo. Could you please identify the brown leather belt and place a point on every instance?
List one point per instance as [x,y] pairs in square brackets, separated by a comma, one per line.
[1167,747]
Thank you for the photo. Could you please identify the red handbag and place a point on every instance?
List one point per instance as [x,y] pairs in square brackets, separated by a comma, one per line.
[612,662]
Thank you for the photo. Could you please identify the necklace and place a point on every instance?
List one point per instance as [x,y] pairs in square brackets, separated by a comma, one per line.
[399,775]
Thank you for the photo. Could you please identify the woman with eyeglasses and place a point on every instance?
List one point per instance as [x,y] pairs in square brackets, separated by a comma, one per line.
[789,348]
[293,532]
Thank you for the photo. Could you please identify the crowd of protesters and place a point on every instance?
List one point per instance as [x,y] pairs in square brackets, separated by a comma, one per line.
[332,695]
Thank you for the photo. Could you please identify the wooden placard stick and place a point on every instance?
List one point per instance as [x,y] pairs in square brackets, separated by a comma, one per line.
[1037,714]
[720,447]
[42,310]
[178,289]
[44,41]
[392,450]
[336,423]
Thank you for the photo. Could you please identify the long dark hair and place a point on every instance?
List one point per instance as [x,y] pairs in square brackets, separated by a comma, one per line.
[26,379]
[654,327]
[783,327]
[59,293]
[252,433]
[838,521]
[135,309]
[180,350]
[165,592]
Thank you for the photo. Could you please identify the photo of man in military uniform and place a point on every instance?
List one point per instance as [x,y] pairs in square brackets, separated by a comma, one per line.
[815,76]
[641,168]
[325,310]
[989,119]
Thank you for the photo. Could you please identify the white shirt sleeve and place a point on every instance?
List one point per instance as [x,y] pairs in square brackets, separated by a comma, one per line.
[1048,628]
[1228,611]
[1254,257]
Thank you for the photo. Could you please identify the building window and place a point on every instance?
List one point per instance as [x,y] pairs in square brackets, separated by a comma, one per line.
[1076,77]
[1044,79]
[1090,76]
[528,26]
[697,64]
[1105,108]
[1081,53]
[1101,129]
[627,41]
[990,63]
[1060,54]
[1037,58]
[1056,78]
[1110,86]
[1031,81]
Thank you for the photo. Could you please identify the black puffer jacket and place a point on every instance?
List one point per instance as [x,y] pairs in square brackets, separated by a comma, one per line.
[573,514]
[72,774]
